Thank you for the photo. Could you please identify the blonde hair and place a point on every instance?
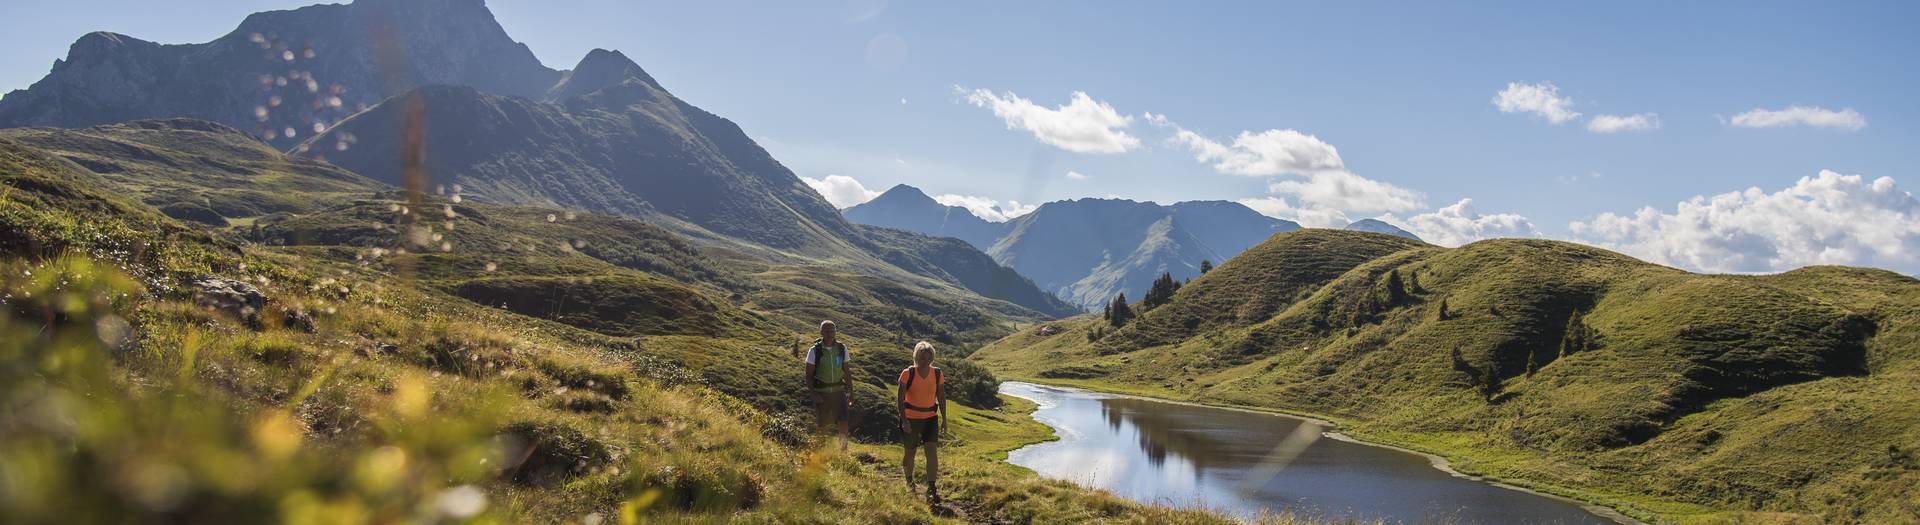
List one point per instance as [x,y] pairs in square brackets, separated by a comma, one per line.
[922,346]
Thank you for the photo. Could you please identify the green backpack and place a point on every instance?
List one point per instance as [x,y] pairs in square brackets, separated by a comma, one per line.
[829,368]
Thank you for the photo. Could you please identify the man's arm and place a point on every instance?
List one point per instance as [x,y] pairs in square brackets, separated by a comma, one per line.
[807,380]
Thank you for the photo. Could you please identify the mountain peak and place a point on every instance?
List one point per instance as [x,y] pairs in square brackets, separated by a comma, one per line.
[600,69]
[904,193]
[363,53]
[907,208]
[1380,226]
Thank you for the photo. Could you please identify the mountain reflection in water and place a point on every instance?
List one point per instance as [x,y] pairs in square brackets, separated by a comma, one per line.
[1244,463]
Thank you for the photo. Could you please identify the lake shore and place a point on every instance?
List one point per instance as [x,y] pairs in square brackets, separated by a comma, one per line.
[1437,461]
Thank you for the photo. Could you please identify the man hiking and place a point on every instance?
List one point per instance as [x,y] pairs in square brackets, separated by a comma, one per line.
[923,410]
[827,379]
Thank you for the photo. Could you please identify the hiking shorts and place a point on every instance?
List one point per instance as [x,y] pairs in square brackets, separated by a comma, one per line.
[830,408]
[922,431]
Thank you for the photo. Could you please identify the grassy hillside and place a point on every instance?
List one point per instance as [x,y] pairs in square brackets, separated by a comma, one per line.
[198,171]
[1781,398]
[322,367]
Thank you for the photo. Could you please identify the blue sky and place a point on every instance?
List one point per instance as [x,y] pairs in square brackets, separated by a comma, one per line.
[1406,94]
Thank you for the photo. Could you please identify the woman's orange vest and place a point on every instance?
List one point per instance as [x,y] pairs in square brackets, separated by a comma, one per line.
[922,396]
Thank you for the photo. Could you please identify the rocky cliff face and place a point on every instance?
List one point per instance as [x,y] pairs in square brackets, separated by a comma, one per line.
[281,73]
[614,143]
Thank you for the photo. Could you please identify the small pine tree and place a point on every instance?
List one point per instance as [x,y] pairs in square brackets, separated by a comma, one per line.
[1121,311]
[1577,337]
[1396,289]
[1205,266]
[1161,292]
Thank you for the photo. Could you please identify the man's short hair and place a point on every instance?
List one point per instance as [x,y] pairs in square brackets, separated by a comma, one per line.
[826,324]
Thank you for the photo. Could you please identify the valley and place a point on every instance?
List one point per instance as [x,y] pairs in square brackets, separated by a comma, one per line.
[1664,394]
[375,262]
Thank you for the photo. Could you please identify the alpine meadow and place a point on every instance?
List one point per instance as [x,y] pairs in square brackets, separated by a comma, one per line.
[998,263]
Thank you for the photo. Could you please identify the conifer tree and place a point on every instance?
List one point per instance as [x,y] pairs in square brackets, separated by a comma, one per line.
[1577,337]
[1121,312]
[1161,292]
[1396,289]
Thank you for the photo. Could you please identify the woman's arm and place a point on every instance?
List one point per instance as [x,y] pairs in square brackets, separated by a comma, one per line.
[900,404]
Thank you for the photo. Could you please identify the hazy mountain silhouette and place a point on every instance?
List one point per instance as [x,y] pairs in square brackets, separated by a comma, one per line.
[1380,226]
[1086,251]
[907,208]
[1226,227]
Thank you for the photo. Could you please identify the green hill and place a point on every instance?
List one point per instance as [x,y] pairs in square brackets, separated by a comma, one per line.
[198,171]
[325,363]
[1788,397]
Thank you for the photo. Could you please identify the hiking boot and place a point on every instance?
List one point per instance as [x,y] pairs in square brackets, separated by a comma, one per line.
[932,496]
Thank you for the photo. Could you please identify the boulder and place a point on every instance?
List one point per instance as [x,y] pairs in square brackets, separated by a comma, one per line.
[237,298]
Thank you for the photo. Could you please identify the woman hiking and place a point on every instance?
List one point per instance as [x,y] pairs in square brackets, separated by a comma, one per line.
[923,411]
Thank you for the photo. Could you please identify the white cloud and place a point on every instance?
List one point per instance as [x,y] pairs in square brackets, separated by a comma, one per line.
[1267,153]
[1075,175]
[1541,99]
[1279,208]
[840,190]
[1619,123]
[986,208]
[1083,125]
[1825,219]
[1318,179]
[1348,192]
[1817,117]
[1460,224]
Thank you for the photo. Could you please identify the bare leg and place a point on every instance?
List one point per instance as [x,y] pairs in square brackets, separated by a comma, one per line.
[845,426]
[933,467]
[907,466]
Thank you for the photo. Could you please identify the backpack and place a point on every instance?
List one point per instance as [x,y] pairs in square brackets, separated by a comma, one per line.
[827,376]
[911,375]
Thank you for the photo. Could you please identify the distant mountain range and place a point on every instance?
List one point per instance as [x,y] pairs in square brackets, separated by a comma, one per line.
[1088,250]
[433,95]
[283,71]
[907,208]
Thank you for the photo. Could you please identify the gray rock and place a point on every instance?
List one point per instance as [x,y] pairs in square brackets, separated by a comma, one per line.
[236,298]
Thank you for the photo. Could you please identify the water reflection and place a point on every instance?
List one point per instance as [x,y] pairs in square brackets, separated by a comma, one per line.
[1243,463]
